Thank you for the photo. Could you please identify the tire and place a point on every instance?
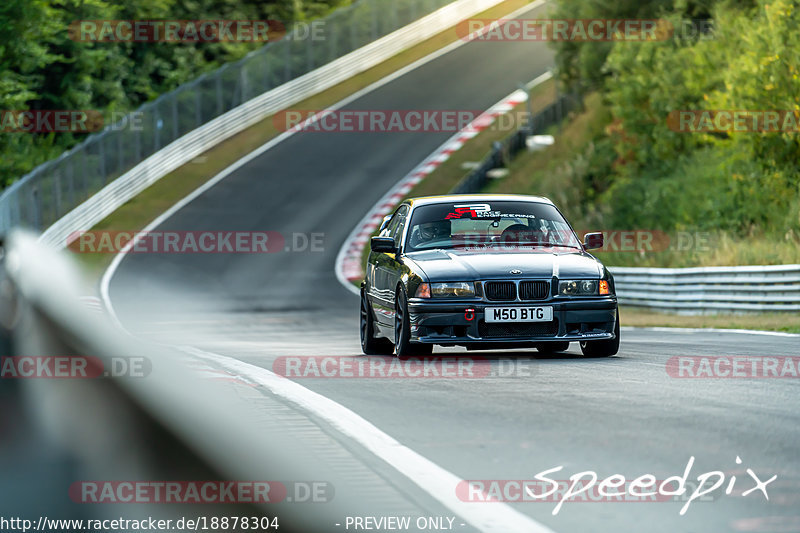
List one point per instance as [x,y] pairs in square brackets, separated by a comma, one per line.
[403,346]
[604,348]
[552,347]
[369,344]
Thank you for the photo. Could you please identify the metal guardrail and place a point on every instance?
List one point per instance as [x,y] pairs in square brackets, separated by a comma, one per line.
[711,289]
[87,183]
[504,151]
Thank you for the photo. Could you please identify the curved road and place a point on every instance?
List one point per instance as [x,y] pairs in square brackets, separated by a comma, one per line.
[624,415]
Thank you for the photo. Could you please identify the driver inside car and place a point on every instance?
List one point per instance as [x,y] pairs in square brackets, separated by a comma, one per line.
[517,234]
[432,231]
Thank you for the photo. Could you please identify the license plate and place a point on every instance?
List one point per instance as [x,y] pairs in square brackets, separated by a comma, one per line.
[519,314]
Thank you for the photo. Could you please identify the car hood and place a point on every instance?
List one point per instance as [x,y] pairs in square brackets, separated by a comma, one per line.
[458,265]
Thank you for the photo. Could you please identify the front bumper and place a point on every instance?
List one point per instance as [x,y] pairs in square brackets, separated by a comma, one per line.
[446,323]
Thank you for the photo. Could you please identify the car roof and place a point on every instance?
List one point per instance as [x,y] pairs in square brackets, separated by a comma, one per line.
[450,198]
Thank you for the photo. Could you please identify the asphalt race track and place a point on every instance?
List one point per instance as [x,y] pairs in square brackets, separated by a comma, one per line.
[522,413]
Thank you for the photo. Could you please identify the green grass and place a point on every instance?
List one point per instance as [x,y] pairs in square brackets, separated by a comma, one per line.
[641,317]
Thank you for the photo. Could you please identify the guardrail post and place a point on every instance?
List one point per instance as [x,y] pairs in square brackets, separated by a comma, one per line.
[56,195]
[174,110]
[198,108]
[374,11]
[101,149]
[120,159]
[218,89]
[287,61]
[157,125]
[138,145]
[244,91]
[332,30]
[71,179]
[352,34]
[36,208]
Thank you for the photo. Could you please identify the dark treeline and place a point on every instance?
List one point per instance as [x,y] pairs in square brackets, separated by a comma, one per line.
[43,67]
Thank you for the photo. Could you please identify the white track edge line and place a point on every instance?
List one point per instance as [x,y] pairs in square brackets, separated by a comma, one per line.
[667,329]
[437,482]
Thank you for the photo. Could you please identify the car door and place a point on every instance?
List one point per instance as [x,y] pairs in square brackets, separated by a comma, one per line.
[385,270]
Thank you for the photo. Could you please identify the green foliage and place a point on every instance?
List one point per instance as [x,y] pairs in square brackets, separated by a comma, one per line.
[41,67]
[581,63]
[642,171]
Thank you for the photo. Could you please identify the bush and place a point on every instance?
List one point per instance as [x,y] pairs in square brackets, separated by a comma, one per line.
[733,181]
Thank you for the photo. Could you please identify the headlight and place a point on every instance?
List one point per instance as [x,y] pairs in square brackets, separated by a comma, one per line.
[458,289]
[582,287]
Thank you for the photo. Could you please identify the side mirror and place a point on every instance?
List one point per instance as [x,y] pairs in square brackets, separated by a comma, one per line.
[592,241]
[385,221]
[382,244]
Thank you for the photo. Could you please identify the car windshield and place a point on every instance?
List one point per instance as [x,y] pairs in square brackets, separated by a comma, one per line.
[488,225]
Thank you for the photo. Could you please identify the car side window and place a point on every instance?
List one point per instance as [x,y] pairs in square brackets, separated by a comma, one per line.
[395,225]
[388,231]
[397,231]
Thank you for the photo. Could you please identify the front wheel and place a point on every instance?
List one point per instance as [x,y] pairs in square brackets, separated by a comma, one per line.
[604,348]
[369,344]
[403,346]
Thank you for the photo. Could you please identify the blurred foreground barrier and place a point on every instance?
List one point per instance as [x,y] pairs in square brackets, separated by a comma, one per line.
[171,424]
[710,290]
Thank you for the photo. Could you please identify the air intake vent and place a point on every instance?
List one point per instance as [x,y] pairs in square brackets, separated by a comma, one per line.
[534,290]
[500,291]
[523,329]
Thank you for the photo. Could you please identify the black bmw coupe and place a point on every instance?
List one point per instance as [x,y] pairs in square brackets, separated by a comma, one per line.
[485,272]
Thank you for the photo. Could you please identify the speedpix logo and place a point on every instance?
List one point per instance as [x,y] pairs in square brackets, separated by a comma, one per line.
[588,487]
